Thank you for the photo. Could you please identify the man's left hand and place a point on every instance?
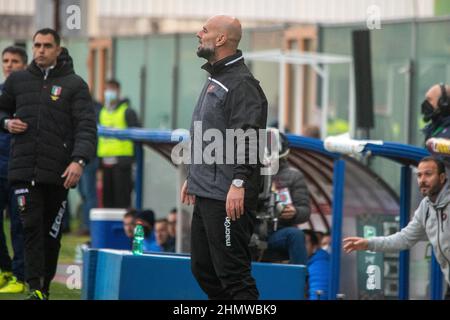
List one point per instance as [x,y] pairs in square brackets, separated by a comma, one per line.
[72,174]
[235,202]
[288,212]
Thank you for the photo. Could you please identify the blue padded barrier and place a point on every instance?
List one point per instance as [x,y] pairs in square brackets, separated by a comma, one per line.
[118,275]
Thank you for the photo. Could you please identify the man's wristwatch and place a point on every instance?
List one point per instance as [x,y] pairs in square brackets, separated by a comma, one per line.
[5,124]
[81,162]
[238,183]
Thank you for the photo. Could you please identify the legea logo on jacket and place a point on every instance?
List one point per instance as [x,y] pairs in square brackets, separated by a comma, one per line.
[56,92]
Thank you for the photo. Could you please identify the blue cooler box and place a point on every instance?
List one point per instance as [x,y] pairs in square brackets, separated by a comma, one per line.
[107,229]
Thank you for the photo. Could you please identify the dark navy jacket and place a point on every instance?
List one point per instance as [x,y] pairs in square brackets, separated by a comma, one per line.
[5,141]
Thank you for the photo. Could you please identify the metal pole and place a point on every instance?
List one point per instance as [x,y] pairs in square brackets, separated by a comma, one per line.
[143,92]
[336,231]
[410,114]
[405,201]
[175,83]
[299,106]
[351,102]
[56,16]
[325,88]
[281,93]
[436,279]
[139,174]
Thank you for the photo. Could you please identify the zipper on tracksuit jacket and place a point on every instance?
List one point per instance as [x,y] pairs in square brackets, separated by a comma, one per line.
[33,181]
[201,107]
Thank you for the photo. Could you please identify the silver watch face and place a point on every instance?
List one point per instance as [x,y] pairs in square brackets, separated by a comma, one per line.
[238,183]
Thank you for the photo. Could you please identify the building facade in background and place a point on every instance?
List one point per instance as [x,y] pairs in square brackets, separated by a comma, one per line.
[122,17]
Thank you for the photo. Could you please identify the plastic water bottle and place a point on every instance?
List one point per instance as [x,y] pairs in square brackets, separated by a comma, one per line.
[138,240]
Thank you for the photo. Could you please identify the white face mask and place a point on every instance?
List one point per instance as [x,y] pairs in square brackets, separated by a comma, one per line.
[110,97]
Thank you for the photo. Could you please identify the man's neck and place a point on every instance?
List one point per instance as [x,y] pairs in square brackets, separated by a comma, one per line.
[45,68]
[433,197]
[221,55]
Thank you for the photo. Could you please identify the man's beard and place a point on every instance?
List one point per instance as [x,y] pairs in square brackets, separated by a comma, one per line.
[433,191]
[206,53]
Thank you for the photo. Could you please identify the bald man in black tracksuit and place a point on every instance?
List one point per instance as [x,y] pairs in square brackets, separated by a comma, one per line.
[225,195]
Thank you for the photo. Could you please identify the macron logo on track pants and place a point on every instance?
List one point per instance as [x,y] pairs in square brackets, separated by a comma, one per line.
[227,225]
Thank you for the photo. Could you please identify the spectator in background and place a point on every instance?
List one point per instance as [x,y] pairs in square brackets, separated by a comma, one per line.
[318,267]
[290,182]
[146,218]
[87,186]
[117,156]
[12,274]
[162,236]
[129,223]
[172,226]
[436,112]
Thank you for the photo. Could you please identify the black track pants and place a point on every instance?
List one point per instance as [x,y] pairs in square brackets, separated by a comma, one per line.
[41,208]
[221,260]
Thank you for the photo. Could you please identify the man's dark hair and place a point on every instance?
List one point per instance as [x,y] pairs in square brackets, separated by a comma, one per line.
[147,215]
[173,211]
[312,236]
[319,233]
[46,31]
[17,50]
[114,82]
[439,163]
[130,213]
[162,220]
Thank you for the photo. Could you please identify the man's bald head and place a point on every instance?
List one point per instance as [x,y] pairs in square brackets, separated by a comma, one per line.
[434,93]
[219,38]
[230,27]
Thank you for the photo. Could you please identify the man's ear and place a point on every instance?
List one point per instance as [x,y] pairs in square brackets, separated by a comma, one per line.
[443,177]
[59,49]
[221,39]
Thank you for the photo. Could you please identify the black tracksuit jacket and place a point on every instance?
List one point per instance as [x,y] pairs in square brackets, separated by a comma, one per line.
[231,99]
